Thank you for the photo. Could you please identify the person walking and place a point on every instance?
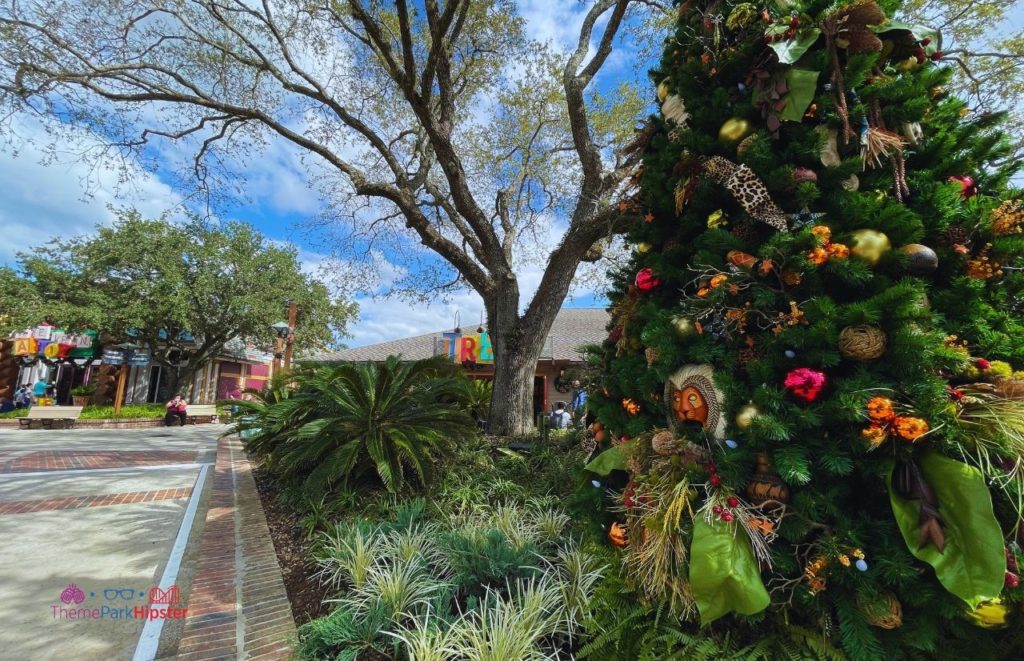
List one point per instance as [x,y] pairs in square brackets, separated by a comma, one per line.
[23,396]
[560,417]
[175,410]
[578,406]
[39,392]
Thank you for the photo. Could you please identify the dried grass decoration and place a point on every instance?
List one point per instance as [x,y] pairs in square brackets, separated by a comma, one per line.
[861,342]
[886,613]
[692,396]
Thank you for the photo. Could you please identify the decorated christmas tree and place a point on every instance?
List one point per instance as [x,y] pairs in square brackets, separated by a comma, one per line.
[810,374]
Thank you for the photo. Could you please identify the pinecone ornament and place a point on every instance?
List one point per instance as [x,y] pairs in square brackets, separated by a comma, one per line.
[955,235]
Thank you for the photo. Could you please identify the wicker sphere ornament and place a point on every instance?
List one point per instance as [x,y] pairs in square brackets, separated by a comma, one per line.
[664,443]
[734,130]
[887,614]
[684,327]
[869,245]
[766,485]
[862,342]
[922,260]
[746,415]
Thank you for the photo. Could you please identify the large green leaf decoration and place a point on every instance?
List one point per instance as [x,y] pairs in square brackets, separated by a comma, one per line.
[723,572]
[790,50]
[609,460]
[919,32]
[972,566]
[802,84]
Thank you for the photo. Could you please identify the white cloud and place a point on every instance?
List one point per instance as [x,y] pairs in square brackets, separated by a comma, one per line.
[69,197]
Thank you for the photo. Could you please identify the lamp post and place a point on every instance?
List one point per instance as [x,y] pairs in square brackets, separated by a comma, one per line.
[285,331]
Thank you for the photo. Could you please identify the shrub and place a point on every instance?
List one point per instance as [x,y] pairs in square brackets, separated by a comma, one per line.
[345,421]
[83,391]
[482,558]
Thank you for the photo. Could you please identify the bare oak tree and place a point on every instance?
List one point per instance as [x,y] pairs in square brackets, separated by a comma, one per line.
[459,130]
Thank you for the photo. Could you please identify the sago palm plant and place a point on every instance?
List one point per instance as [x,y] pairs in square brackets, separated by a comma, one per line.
[340,422]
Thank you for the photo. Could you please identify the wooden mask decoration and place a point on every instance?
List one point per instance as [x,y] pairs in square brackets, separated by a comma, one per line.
[691,396]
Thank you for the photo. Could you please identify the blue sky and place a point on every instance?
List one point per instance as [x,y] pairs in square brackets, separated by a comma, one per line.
[46,197]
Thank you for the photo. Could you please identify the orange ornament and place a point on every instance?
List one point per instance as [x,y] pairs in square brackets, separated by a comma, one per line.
[910,429]
[880,409]
[718,280]
[838,250]
[703,292]
[631,407]
[618,535]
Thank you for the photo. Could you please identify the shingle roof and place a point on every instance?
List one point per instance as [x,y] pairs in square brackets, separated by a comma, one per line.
[572,328]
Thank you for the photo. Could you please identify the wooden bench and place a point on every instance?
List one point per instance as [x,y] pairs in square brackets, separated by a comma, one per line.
[193,412]
[47,415]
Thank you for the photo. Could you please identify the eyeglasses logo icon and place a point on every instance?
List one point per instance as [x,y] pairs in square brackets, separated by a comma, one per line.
[72,593]
[125,594]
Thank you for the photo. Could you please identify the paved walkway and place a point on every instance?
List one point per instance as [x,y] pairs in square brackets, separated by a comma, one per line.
[104,528]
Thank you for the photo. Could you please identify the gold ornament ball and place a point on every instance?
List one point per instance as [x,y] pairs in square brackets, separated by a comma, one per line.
[991,614]
[869,245]
[922,259]
[662,90]
[745,416]
[643,248]
[734,130]
[684,327]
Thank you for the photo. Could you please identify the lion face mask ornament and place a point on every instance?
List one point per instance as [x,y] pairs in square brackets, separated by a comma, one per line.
[693,397]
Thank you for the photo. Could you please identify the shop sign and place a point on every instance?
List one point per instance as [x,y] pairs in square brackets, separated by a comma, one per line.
[138,358]
[471,347]
[113,357]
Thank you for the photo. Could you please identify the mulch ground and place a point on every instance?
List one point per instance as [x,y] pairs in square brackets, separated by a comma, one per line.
[293,554]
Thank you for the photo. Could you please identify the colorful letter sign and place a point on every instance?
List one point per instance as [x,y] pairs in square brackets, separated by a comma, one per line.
[470,347]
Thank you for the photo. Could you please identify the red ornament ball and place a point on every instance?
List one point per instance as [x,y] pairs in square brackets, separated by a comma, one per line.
[715,480]
[805,383]
[727,516]
[646,280]
[733,501]
[1012,581]
[982,364]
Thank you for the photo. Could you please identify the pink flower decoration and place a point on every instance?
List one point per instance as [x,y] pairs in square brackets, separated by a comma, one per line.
[805,383]
[646,280]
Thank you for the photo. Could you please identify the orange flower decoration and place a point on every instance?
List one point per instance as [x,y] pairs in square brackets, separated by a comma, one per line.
[718,280]
[910,429]
[817,256]
[880,409]
[822,232]
[838,251]
[874,434]
[631,407]
[703,292]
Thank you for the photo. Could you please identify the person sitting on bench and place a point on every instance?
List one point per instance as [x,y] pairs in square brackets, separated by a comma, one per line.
[175,409]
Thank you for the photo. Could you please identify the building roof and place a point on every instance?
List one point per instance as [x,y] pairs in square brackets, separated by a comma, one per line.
[572,329]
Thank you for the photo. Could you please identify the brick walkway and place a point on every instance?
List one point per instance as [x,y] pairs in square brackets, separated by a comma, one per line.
[238,607]
[46,460]
[78,502]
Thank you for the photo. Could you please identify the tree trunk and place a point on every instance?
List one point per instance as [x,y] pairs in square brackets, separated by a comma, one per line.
[517,345]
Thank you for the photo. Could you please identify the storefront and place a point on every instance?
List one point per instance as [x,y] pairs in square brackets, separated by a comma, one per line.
[572,329]
[54,355]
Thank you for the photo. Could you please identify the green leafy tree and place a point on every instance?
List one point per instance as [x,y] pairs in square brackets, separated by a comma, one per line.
[813,347]
[386,418]
[440,131]
[183,290]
